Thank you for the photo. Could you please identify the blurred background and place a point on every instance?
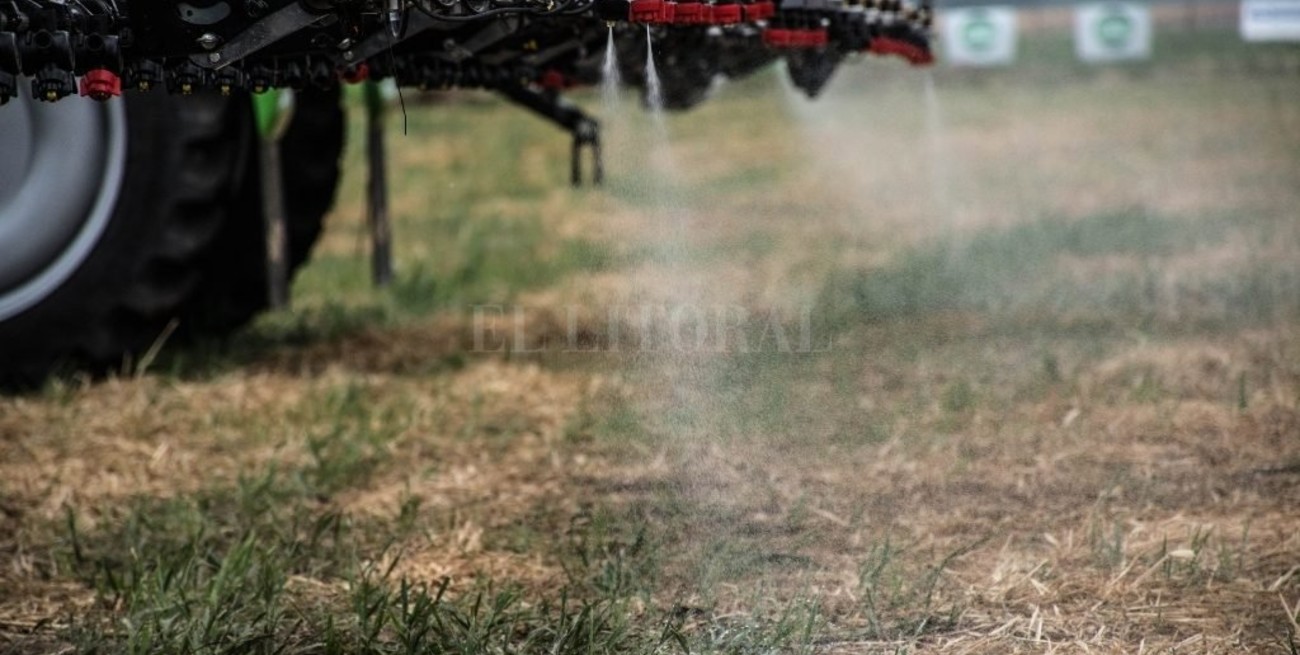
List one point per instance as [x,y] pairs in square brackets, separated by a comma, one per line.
[1093,187]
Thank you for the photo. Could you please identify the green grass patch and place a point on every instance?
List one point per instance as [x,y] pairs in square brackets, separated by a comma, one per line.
[221,572]
[1119,259]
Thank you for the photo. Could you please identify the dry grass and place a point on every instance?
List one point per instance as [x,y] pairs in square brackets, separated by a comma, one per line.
[967,477]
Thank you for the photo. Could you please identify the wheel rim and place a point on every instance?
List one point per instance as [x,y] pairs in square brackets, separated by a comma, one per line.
[61,170]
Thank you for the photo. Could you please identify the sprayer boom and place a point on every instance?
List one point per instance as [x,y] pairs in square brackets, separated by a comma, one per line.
[52,49]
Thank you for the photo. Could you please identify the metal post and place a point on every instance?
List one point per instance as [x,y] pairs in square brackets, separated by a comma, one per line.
[381,235]
[274,110]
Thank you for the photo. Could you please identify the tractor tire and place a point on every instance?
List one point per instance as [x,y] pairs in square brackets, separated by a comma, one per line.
[234,286]
[112,219]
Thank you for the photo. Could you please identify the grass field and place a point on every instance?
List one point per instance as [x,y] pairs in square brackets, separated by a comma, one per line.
[1017,370]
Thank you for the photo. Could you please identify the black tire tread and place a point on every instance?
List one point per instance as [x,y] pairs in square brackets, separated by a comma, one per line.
[181,162]
[233,288]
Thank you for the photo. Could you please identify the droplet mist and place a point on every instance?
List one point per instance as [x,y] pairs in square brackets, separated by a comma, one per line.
[610,78]
[938,156]
[654,94]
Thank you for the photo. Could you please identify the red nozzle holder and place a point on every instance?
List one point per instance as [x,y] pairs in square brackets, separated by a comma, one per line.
[759,11]
[355,74]
[915,55]
[554,80]
[777,37]
[787,38]
[726,14]
[691,13]
[815,38]
[651,11]
[101,84]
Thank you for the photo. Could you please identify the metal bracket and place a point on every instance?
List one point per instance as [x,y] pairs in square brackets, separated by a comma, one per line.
[416,23]
[263,33]
[495,32]
[584,128]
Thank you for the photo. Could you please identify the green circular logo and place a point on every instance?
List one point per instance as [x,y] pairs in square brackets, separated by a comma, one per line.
[980,33]
[1115,29]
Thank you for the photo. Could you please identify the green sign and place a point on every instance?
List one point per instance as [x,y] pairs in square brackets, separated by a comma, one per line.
[980,33]
[980,36]
[1115,28]
[1112,31]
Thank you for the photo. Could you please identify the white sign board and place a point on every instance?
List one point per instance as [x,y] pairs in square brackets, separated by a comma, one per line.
[1270,20]
[979,36]
[1112,31]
